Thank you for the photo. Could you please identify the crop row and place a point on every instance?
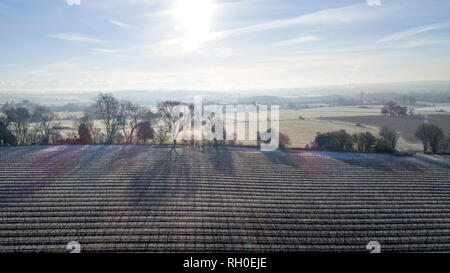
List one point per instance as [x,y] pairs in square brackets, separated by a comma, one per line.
[138,198]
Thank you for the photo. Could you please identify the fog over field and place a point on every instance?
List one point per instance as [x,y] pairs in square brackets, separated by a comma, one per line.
[151,96]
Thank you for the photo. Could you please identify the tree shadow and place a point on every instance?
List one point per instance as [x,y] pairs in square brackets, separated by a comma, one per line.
[437,160]
[39,168]
[128,154]
[379,162]
[93,157]
[168,170]
[221,159]
[11,154]
[282,158]
[46,165]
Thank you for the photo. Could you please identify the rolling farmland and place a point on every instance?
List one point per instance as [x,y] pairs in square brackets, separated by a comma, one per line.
[303,132]
[406,125]
[144,198]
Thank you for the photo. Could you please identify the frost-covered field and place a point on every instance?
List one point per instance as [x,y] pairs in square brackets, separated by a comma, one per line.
[142,198]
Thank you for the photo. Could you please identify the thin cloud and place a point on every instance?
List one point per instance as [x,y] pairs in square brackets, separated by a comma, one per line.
[414,31]
[39,72]
[299,40]
[75,38]
[73,2]
[103,50]
[114,52]
[374,2]
[334,16]
[120,24]
[154,14]
[420,43]
[342,15]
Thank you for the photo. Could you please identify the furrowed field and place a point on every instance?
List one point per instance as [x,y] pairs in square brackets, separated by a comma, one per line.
[144,198]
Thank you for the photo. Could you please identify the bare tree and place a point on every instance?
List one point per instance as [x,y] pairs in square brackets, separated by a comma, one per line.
[390,135]
[132,116]
[436,137]
[128,109]
[285,141]
[383,146]
[72,137]
[96,134]
[431,136]
[161,134]
[446,144]
[166,109]
[84,134]
[55,136]
[6,137]
[108,107]
[364,141]
[144,131]
[19,120]
[45,123]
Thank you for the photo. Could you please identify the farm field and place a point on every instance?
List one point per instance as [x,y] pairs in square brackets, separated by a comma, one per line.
[324,119]
[435,107]
[300,132]
[68,114]
[351,111]
[144,198]
[303,132]
[330,111]
[406,125]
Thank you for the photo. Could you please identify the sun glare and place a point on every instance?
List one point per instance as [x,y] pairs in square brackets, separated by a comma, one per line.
[195,19]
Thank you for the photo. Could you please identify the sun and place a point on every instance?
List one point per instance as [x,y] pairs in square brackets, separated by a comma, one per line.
[195,19]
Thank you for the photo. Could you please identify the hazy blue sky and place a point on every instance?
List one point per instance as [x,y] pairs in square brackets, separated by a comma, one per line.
[220,45]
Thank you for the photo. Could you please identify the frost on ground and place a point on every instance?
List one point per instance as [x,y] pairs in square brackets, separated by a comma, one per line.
[143,198]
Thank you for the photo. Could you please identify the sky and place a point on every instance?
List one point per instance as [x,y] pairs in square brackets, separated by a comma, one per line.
[220,45]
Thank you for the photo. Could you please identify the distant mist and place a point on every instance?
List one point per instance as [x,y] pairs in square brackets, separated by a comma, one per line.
[151,97]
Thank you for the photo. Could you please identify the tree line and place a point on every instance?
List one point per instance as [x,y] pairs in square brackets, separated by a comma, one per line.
[432,137]
[19,126]
[393,109]
[124,122]
[342,141]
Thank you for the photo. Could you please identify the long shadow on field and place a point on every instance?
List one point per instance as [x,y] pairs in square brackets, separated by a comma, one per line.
[42,169]
[437,160]
[17,154]
[55,164]
[160,179]
[222,160]
[280,157]
[109,159]
[94,157]
[380,162]
[127,156]
[161,175]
